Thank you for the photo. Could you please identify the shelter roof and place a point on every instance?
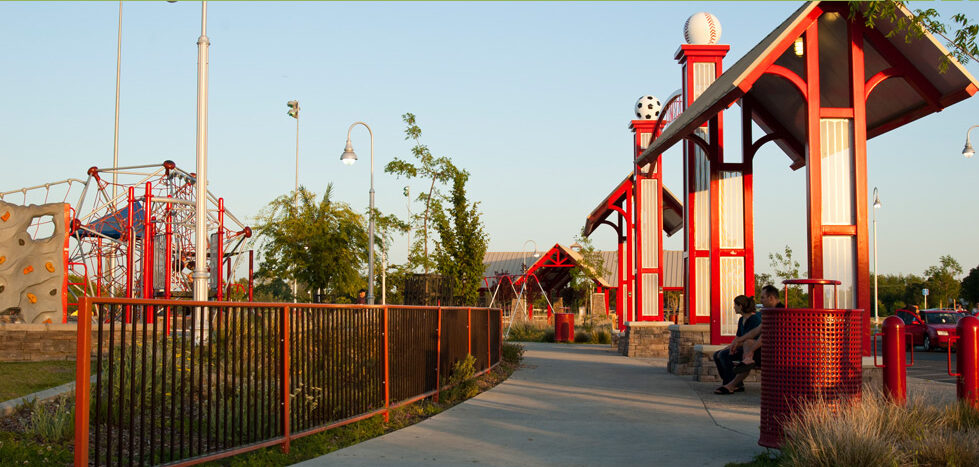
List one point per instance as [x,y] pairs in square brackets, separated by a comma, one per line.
[500,263]
[672,208]
[777,105]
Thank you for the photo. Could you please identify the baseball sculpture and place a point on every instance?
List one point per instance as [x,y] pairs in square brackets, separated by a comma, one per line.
[648,108]
[702,29]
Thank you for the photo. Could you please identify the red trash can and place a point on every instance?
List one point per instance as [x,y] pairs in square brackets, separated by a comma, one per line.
[564,327]
[807,354]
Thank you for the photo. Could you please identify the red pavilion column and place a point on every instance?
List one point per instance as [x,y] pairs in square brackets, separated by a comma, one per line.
[648,238]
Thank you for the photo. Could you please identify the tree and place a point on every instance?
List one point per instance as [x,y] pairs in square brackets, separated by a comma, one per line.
[784,267]
[438,169]
[591,265]
[941,282]
[962,45]
[462,242]
[970,286]
[322,245]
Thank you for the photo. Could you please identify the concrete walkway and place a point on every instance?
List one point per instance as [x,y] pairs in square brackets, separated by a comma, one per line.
[576,405]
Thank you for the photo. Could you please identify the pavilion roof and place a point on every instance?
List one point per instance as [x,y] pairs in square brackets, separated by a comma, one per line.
[778,106]
[672,208]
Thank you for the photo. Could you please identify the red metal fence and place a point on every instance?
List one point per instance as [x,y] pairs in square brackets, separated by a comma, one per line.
[233,377]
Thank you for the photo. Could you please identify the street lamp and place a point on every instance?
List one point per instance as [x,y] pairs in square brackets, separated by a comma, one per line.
[876,207]
[294,113]
[349,157]
[200,237]
[968,151]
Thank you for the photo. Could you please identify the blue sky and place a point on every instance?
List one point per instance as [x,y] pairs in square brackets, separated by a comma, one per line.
[534,99]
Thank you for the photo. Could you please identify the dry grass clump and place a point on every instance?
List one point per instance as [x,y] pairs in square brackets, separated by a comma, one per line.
[877,432]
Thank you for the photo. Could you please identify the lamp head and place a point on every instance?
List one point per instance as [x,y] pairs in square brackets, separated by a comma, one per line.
[968,151]
[348,157]
[876,199]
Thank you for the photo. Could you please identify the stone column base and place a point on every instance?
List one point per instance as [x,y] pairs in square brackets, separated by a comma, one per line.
[645,339]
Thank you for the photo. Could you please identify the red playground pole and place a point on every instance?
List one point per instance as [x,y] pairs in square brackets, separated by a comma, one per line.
[148,251]
[130,243]
[251,280]
[219,249]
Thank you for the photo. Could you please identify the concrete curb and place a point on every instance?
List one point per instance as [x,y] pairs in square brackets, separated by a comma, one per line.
[11,406]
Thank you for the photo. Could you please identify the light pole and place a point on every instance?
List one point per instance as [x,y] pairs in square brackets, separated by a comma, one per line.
[968,151]
[200,237]
[294,113]
[349,157]
[876,207]
[115,133]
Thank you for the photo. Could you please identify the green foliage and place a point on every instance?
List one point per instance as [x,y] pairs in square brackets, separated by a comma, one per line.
[941,281]
[512,353]
[581,337]
[461,382]
[53,424]
[962,45]
[323,245]
[969,289]
[529,332]
[785,267]
[18,450]
[584,274]
[426,166]
[462,242]
[22,378]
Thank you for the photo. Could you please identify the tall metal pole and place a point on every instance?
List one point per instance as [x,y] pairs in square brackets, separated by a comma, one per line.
[295,197]
[115,134]
[876,206]
[200,259]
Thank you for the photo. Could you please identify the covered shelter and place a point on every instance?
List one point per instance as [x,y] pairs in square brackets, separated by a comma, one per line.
[819,86]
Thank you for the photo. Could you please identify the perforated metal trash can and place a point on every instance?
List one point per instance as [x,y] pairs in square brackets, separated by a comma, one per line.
[564,327]
[807,354]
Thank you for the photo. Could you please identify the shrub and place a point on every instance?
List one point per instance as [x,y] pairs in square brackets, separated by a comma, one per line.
[582,337]
[461,381]
[602,336]
[875,431]
[53,424]
[548,335]
[512,353]
[527,332]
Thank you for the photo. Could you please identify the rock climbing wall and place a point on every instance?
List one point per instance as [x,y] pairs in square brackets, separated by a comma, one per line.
[33,282]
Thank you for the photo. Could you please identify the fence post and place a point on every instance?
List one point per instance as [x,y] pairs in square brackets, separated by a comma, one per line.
[83,380]
[499,335]
[284,342]
[438,357]
[469,331]
[489,343]
[387,382]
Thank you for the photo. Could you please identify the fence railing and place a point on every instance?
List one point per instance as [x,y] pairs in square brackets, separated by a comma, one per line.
[208,380]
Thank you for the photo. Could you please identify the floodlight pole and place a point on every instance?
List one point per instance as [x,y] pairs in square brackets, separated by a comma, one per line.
[200,258]
[876,207]
[115,134]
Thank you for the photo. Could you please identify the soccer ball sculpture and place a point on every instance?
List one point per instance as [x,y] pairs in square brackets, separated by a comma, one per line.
[702,29]
[648,108]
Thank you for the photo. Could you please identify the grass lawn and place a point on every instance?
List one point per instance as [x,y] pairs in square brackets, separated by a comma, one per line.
[22,378]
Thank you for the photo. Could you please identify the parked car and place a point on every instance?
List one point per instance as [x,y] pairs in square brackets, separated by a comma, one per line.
[932,328]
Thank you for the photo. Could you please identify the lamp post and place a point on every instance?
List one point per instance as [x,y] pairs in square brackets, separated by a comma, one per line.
[876,207]
[200,234]
[349,157]
[968,151]
[294,113]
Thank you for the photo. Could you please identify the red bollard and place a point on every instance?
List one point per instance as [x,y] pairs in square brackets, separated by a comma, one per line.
[895,371]
[967,360]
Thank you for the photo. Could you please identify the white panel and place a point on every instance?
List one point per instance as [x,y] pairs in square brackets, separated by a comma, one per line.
[701,188]
[836,151]
[650,295]
[839,263]
[703,76]
[650,223]
[703,286]
[732,210]
[732,285]
[644,139]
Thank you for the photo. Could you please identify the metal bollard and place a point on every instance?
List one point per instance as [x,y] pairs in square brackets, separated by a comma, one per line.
[895,369]
[967,360]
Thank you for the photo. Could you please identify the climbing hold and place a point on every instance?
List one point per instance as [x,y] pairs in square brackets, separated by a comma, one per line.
[28,269]
[3,259]
[31,297]
[5,216]
[53,292]
[49,266]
